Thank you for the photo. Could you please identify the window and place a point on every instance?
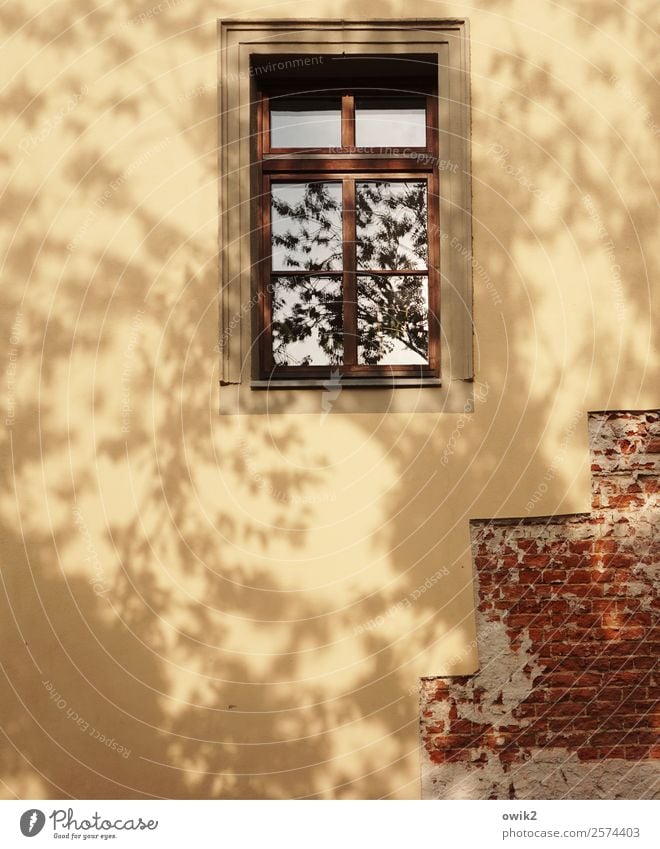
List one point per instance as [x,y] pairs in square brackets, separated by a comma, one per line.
[349,221]
[345,230]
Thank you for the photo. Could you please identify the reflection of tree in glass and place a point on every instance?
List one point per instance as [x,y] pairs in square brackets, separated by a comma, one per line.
[307,226]
[391,225]
[307,321]
[391,230]
[393,319]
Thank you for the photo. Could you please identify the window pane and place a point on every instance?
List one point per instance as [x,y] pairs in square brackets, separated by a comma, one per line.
[393,325]
[391,221]
[306,226]
[390,122]
[305,122]
[307,321]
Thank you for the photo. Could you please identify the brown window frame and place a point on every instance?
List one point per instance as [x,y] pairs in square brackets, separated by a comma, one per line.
[347,164]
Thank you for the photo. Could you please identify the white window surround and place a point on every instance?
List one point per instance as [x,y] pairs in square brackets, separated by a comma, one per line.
[240,389]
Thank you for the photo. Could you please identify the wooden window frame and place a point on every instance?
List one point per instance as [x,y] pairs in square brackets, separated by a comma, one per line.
[415,86]
[239,250]
[348,165]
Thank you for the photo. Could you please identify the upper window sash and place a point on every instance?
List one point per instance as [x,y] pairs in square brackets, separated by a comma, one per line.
[341,122]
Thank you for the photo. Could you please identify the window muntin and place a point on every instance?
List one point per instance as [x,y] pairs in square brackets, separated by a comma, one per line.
[370,215]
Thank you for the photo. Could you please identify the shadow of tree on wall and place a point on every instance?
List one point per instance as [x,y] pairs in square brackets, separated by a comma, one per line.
[160,634]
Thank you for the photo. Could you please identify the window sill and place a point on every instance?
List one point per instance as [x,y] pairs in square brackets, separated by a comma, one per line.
[349,383]
[384,395]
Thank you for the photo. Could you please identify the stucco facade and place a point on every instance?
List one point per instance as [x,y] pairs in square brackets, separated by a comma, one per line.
[206,605]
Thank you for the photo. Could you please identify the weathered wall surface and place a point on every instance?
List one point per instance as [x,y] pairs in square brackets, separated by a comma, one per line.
[245,604]
[567,701]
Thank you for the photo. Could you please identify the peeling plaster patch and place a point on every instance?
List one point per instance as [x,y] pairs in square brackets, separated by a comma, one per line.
[565,704]
[552,774]
[505,675]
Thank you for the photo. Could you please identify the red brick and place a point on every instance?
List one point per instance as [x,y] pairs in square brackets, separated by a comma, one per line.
[529,577]
[572,561]
[520,621]
[637,753]
[580,546]
[620,561]
[554,576]
[537,560]
[608,738]
[464,726]
[567,709]
[578,576]
[461,755]
[603,545]
[627,632]
[587,753]
[624,677]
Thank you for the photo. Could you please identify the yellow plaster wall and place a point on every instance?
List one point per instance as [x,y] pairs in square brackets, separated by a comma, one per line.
[190,602]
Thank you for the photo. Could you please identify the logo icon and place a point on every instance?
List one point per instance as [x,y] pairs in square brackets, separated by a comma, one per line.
[32,822]
[331,391]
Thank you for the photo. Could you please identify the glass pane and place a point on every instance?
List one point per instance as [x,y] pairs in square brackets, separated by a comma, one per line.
[305,122]
[390,122]
[307,321]
[391,222]
[393,325]
[306,226]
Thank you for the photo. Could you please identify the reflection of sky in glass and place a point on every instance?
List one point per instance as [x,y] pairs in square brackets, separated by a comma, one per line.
[306,226]
[306,123]
[310,308]
[394,311]
[378,124]
[391,225]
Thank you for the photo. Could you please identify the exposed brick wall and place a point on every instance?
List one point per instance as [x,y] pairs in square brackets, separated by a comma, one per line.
[566,702]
